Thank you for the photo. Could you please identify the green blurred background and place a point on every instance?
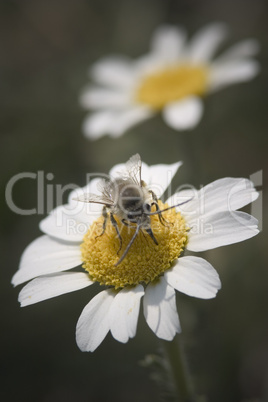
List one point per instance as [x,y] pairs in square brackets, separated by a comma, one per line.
[46,48]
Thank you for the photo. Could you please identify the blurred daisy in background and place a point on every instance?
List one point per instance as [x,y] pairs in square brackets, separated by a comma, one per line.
[172,78]
[208,219]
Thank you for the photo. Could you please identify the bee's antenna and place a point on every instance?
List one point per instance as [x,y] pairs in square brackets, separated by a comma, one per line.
[166,209]
[128,246]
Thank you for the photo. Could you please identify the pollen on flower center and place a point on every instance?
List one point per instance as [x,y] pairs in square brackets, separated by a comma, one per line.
[145,260]
[171,84]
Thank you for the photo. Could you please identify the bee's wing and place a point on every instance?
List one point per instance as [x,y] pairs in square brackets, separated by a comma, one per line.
[97,199]
[133,169]
[106,188]
[102,185]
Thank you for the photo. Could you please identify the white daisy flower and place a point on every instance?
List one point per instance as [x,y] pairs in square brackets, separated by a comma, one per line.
[172,78]
[74,235]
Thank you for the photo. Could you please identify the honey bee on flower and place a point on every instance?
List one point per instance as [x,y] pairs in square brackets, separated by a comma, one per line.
[128,198]
[149,269]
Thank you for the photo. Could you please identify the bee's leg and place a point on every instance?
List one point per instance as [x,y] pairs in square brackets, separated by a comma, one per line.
[162,220]
[115,225]
[132,226]
[145,237]
[128,246]
[150,233]
[105,216]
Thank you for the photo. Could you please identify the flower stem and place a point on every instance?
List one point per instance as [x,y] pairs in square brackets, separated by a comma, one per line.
[174,354]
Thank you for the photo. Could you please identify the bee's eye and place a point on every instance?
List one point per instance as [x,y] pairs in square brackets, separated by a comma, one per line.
[147,208]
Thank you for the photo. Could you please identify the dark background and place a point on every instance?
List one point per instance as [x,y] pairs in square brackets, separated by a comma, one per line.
[46,48]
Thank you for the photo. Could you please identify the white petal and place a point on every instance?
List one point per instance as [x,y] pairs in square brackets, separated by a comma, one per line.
[184,114]
[117,170]
[204,44]
[91,210]
[114,123]
[161,176]
[70,222]
[148,64]
[190,203]
[45,256]
[227,73]
[124,312]
[120,169]
[244,49]
[227,194]
[220,229]
[113,71]
[99,98]
[98,124]
[53,285]
[195,277]
[91,187]
[93,323]
[160,311]
[128,118]
[167,42]
[166,49]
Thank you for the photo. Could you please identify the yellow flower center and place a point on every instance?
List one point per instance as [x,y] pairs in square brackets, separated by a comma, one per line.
[144,261]
[171,84]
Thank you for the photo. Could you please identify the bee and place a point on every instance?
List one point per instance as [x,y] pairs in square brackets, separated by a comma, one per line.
[128,198]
